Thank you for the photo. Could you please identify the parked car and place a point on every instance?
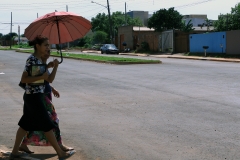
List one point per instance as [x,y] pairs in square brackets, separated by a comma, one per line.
[109,48]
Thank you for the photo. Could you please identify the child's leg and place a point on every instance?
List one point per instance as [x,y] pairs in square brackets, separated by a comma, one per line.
[52,139]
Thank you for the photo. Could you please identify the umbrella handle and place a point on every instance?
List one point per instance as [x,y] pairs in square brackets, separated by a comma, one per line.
[61,56]
[59,40]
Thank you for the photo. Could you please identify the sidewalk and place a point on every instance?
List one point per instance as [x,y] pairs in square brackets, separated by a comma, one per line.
[177,56]
[181,56]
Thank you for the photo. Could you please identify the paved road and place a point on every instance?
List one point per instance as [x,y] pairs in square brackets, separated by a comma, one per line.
[177,110]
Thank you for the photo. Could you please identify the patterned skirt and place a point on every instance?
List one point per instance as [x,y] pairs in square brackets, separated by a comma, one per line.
[38,138]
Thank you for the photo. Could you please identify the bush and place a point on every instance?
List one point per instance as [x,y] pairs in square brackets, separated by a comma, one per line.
[145,46]
[22,45]
[100,37]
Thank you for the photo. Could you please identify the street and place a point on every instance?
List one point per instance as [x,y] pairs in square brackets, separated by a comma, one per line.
[178,110]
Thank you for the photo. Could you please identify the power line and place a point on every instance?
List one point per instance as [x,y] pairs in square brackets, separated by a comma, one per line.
[16,23]
[5,28]
[189,5]
[96,13]
[193,4]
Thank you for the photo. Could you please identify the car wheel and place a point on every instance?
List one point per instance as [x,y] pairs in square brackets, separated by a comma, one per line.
[101,52]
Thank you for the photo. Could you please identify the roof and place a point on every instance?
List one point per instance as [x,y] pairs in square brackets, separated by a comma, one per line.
[203,28]
[21,38]
[135,28]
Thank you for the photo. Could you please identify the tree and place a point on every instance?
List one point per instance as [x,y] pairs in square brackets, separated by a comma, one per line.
[221,23]
[85,42]
[9,36]
[118,19]
[165,19]
[6,37]
[187,27]
[101,22]
[1,35]
[100,37]
[229,21]
[207,23]
[13,34]
[234,18]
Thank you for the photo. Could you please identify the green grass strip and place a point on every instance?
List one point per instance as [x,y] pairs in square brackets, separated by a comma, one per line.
[104,58]
[98,58]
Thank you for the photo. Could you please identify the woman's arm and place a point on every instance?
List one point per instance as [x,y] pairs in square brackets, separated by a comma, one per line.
[29,79]
[54,71]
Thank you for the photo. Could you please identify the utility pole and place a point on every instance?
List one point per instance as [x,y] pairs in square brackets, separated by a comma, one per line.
[67,11]
[18,35]
[37,15]
[110,22]
[11,33]
[125,14]
[109,17]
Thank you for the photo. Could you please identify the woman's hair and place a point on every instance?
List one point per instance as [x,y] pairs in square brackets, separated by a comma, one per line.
[39,39]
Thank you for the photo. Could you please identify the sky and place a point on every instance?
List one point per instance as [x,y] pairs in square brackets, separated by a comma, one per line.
[26,11]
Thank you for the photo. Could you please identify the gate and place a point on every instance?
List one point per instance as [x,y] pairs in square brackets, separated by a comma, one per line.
[167,41]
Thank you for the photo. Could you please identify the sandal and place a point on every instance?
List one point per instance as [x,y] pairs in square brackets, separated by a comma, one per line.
[70,153]
[13,156]
[66,149]
[24,150]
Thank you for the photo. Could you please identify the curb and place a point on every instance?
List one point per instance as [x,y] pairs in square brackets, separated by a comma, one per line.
[185,57]
[110,62]
[203,58]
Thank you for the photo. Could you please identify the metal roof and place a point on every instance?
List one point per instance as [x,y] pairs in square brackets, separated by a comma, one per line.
[136,28]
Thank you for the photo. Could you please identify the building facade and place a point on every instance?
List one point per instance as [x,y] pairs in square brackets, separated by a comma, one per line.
[135,35]
[198,20]
[142,15]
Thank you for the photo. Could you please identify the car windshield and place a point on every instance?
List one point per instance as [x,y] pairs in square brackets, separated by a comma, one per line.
[111,46]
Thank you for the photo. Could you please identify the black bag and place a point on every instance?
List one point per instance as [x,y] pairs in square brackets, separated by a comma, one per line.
[22,85]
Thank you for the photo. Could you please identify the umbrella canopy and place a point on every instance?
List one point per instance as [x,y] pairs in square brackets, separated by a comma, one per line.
[59,27]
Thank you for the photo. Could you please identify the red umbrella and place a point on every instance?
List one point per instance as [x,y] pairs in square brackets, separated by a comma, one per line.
[59,27]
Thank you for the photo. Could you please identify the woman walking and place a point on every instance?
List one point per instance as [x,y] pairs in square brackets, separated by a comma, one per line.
[37,138]
[35,116]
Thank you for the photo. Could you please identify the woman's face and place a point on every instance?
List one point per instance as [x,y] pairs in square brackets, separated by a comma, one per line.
[43,49]
[46,56]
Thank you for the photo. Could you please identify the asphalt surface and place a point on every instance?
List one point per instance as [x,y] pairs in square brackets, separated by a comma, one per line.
[178,110]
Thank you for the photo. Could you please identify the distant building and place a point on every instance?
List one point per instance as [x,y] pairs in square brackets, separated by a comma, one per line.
[199,16]
[142,15]
[135,35]
[21,39]
[197,20]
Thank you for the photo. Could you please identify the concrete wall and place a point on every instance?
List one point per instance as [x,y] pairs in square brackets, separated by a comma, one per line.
[181,41]
[125,34]
[216,42]
[132,38]
[233,42]
[151,37]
